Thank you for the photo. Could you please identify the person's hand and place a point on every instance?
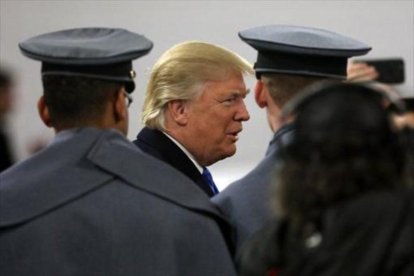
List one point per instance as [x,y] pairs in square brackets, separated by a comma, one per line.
[359,71]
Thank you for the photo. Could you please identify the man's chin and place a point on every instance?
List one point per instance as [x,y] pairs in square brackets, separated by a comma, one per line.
[229,152]
[224,155]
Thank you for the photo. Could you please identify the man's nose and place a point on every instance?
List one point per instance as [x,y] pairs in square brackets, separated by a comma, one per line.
[242,114]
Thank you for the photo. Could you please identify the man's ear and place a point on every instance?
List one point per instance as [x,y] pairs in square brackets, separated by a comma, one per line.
[43,111]
[120,107]
[178,110]
[260,94]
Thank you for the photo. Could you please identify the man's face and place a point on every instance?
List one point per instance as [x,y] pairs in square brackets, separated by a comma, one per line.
[215,119]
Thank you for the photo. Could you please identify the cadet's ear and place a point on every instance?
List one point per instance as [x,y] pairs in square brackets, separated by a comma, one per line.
[43,111]
[120,106]
[178,110]
[260,94]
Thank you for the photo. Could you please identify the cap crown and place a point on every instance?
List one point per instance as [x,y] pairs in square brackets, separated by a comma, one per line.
[98,53]
[302,50]
[303,40]
[86,46]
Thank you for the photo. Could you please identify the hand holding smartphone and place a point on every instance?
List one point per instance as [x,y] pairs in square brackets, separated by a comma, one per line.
[390,71]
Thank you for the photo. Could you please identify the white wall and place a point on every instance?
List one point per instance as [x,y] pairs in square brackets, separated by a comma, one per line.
[386,25]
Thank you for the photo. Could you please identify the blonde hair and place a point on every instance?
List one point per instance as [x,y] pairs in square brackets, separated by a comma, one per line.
[180,73]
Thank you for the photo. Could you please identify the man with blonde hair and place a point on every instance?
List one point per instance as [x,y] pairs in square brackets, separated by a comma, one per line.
[194,109]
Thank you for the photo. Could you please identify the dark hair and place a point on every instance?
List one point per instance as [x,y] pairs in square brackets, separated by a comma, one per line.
[75,101]
[344,146]
[6,78]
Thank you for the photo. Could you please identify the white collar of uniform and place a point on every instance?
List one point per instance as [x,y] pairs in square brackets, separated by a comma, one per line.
[189,155]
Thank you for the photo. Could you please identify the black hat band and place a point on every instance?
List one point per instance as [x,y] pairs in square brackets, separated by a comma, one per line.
[306,65]
[118,72]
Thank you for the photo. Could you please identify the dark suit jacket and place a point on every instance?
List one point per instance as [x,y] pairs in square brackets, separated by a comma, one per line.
[157,144]
[92,203]
[6,159]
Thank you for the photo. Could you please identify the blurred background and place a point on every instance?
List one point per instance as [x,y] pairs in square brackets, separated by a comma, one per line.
[388,26]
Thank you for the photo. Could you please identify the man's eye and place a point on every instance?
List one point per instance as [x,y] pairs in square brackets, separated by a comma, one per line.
[229,101]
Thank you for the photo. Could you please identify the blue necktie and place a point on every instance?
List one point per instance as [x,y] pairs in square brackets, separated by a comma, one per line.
[209,179]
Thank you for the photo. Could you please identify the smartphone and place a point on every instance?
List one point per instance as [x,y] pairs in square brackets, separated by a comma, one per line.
[390,70]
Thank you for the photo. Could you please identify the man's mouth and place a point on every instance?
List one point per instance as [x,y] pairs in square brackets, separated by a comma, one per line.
[234,135]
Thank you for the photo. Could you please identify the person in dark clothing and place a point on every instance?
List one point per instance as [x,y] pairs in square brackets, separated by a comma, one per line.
[6,102]
[342,197]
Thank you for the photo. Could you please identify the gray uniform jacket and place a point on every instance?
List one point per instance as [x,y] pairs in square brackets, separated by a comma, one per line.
[91,203]
[246,202]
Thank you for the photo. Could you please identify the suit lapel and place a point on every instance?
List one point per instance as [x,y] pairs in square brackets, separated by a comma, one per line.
[157,144]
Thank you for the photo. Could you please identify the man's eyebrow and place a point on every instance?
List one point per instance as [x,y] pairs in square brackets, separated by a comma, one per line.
[237,94]
[240,93]
[243,93]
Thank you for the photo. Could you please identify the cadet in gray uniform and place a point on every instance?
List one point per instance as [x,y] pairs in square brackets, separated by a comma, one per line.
[91,203]
[289,59]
